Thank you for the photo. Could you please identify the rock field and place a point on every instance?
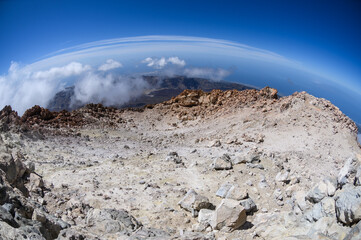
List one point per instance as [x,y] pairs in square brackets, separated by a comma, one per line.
[219,165]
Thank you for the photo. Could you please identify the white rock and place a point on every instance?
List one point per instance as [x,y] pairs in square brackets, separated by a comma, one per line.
[229,215]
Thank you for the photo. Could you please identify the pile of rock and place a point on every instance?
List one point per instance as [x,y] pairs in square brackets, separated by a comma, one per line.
[21,217]
[229,215]
[331,209]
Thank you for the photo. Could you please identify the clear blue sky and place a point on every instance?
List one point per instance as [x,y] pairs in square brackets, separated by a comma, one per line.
[325,36]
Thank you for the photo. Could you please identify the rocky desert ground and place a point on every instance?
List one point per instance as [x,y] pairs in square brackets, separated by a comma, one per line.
[219,165]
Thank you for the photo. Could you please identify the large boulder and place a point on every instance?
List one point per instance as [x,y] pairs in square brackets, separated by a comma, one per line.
[193,202]
[325,208]
[348,204]
[321,190]
[229,215]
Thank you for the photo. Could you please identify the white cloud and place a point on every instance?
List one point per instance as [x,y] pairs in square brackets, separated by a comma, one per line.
[177,61]
[23,88]
[162,62]
[108,90]
[110,64]
[73,68]
[208,73]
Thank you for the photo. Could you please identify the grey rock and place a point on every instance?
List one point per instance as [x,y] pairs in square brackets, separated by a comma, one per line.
[232,191]
[255,165]
[222,163]
[5,216]
[193,202]
[358,177]
[278,194]
[206,216]
[321,190]
[149,233]
[21,233]
[300,200]
[111,221]
[223,190]
[249,205]
[348,204]
[355,233]
[215,143]
[251,157]
[346,172]
[51,225]
[174,157]
[263,182]
[283,176]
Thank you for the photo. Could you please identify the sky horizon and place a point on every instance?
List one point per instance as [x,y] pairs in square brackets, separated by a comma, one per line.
[322,37]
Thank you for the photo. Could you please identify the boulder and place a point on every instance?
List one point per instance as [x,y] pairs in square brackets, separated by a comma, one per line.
[232,191]
[111,221]
[355,233]
[229,215]
[283,176]
[321,190]
[325,208]
[251,157]
[206,216]
[348,204]
[358,177]
[347,171]
[249,205]
[222,163]
[51,225]
[21,233]
[326,228]
[193,202]
[299,198]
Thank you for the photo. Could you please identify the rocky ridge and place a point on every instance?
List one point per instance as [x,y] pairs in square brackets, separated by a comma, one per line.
[218,165]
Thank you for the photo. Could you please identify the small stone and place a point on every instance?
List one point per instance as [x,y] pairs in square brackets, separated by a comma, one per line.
[222,163]
[283,177]
[249,205]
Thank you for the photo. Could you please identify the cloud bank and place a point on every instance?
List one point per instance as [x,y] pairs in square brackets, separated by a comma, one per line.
[22,88]
[108,89]
[162,62]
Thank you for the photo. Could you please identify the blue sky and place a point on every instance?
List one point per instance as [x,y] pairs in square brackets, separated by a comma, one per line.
[322,36]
